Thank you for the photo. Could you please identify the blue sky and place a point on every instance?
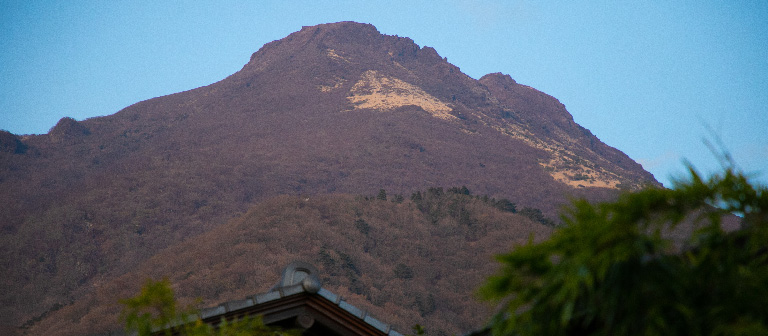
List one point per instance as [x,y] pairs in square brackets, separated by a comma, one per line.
[652,79]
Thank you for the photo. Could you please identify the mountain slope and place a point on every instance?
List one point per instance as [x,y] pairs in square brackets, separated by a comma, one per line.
[405,262]
[331,108]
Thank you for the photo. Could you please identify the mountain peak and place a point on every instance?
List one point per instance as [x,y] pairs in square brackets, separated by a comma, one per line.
[346,32]
[348,28]
[347,42]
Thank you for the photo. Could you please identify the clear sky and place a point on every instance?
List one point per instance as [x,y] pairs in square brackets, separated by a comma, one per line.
[651,78]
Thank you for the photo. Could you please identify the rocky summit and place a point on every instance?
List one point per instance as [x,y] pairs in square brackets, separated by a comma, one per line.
[330,114]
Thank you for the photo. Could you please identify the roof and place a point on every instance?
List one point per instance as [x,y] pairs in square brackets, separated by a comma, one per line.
[300,301]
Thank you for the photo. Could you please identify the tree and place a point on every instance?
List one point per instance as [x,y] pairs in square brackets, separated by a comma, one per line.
[507,205]
[402,271]
[155,309]
[536,215]
[461,191]
[382,195]
[613,270]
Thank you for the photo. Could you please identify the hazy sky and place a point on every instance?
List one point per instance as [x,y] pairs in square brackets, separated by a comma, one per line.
[650,78]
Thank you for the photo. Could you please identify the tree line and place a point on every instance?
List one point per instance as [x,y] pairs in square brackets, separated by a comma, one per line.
[432,197]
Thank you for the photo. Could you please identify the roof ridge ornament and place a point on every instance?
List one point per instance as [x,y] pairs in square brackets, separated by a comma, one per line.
[300,273]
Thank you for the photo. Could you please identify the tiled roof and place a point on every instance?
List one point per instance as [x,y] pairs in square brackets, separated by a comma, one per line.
[298,279]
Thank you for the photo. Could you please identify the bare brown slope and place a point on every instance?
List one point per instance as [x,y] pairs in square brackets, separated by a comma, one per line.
[357,244]
[576,157]
[331,108]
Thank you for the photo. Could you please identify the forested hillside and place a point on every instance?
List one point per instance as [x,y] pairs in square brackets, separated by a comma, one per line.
[408,259]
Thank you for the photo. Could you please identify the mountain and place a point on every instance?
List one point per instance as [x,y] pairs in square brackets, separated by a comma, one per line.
[331,109]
